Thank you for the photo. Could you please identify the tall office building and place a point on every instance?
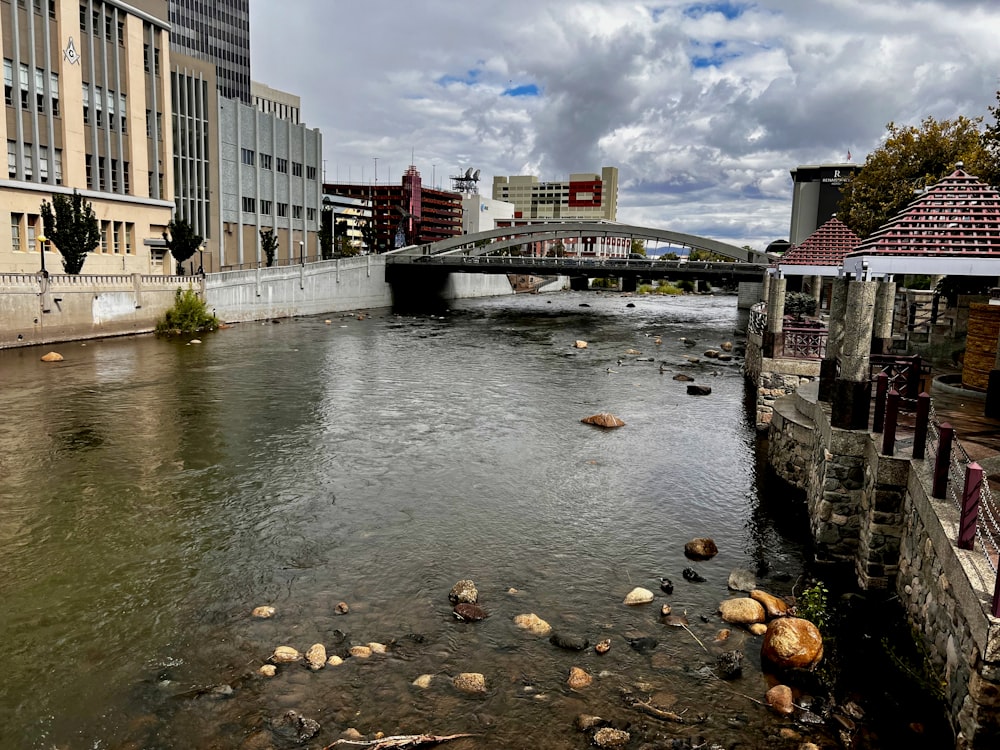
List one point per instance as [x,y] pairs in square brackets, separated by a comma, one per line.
[584,196]
[815,195]
[87,108]
[217,32]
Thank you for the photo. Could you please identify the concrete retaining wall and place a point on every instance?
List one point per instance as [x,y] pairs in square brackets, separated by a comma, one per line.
[42,310]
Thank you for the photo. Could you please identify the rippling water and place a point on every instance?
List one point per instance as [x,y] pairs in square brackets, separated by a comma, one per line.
[152,493]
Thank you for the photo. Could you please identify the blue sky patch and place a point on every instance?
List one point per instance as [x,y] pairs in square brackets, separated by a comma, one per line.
[470,78]
[712,55]
[528,89]
[657,12]
[730,11]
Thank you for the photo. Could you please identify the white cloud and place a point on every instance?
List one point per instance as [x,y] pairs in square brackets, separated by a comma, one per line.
[704,113]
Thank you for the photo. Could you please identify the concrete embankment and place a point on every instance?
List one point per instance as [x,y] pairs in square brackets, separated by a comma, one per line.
[43,310]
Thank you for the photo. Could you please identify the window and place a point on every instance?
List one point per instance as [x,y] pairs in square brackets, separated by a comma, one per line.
[24,85]
[156,61]
[265,161]
[311,214]
[249,205]
[129,229]
[8,82]
[123,109]
[83,17]
[296,169]
[90,172]
[32,245]
[296,212]
[52,9]
[128,189]
[114,175]
[121,34]
[54,92]
[12,159]
[265,208]
[101,181]
[104,236]
[247,156]
[29,159]
[57,165]
[115,232]
[15,232]
[149,124]
[310,173]
[43,163]
[159,126]
[145,57]
[282,210]
[86,103]
[283,165]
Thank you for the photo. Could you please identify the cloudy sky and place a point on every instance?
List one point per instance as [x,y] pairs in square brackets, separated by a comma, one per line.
[703,107]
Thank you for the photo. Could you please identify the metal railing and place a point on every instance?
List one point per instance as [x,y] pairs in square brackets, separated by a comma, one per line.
[757,323]
[804,343]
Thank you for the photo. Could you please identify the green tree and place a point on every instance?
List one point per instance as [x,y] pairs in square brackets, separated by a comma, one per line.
[910,159]
[182,242]
[70,224]
[188,315]
[325,235]
[638,247]
[990,172]
[344,246]
[268,245]
[670,256]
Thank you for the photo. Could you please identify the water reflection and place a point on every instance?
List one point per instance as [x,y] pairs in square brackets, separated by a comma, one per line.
[164,489]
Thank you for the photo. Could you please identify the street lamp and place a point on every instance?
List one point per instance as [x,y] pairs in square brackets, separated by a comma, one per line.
[302,251]
[41,240]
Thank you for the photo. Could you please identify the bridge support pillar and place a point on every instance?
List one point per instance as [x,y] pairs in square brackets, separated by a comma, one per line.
[630,283]
[851,389]
[579,283]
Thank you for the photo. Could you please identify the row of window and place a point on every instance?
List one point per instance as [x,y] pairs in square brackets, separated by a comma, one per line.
[249,157]
[111,34]
[250,207]
[99,181]
[29,162]
[38,5]
[104,102]
[117,237]
[23,83]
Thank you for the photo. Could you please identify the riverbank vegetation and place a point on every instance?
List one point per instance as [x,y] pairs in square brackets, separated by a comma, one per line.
[189,314]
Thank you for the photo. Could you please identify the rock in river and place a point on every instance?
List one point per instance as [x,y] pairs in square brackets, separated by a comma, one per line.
[578,678]
[702,548]
[604,419]
[285,655]
[638,595]
[316,656]
[792,643]
[775,606]
[609,737]
[464,592]
[472,683]
[469,612]
[569,641]
[533,624]
[263,612]
[742,611]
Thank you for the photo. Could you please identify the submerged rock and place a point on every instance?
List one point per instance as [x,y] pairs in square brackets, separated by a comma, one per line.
[472,683]
[604,419]
[578,678]
[638,595]
[694,389]
[52,357]
[692,575]
[263,612]
[285,655]
[469,612]
[316,656]
[609,737]
[702,548]
[568,641]
[533,624]
[730,664]
[779,698]
[742,580]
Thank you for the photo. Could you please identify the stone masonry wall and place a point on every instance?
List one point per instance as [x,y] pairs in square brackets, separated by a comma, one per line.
[873,513]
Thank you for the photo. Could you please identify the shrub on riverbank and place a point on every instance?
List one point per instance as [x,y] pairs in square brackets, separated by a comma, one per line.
[188,315]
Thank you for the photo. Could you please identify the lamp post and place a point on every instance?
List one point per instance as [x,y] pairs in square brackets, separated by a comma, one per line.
[302,253]
[41,240]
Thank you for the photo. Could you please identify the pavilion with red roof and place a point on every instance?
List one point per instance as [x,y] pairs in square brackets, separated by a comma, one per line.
[951,229]
[822,253]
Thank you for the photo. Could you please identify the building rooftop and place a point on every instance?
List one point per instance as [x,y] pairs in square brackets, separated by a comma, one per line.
[827,246]
[959,216]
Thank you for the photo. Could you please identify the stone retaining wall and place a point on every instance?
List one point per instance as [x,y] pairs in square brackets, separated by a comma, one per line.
[873,514]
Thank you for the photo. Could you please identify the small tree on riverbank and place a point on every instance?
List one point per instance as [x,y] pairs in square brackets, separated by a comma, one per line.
[182,242]
[268,246]
[70,224]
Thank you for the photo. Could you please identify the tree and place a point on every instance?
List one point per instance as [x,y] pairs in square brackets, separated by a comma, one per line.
[182,242]
[638,247]
[990,172]
[343,245]
[268,245]
[70,224]
[670,256]
[556,250]
[910,159]
[325,235]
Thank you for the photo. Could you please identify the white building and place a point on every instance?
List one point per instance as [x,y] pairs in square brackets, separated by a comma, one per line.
[480,213]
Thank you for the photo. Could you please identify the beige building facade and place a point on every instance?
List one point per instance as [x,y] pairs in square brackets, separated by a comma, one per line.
[87,108]
[584,196]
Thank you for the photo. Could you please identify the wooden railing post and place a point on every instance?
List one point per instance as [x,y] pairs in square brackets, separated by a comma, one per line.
[892,417]
[995,610]
[942,462]
[970,505]
[881,389]
[922,422]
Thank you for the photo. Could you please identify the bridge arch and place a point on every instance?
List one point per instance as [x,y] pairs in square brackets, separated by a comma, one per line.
[497,240]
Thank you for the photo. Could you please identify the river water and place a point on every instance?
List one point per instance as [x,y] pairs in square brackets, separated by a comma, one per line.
[153,492]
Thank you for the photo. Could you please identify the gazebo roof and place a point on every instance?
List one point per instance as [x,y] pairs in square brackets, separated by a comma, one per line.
[957,217]
[827,246]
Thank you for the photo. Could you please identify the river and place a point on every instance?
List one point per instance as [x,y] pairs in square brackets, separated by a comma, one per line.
[153,492]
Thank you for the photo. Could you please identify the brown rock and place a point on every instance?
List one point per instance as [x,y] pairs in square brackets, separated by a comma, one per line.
[604,419]
[52,357]
[602,647]
[285,655]
[361,652]
[758,628]
[742,611]
[638,595]
[702,548]
[580,344]
[780,699]
[610,737]
[773,605]
[578,678]
[316,656]
[469,612]
[533,623]
[470,682]
[681,377]
[792,643]
[263,612]
[342,608]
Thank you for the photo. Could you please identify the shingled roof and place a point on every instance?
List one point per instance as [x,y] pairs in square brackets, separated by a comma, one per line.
[827,246]
[957,217]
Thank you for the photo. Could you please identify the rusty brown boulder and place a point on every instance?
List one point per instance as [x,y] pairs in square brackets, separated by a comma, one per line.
[604,419]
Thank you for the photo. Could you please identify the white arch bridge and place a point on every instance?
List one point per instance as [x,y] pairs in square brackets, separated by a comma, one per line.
[502,250]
